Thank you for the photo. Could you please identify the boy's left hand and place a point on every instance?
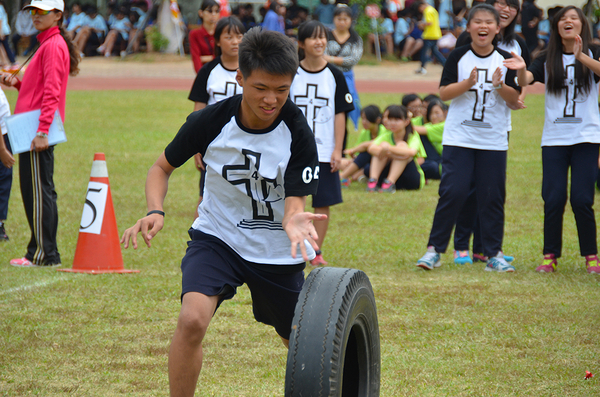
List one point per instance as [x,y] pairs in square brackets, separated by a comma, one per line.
[299,228]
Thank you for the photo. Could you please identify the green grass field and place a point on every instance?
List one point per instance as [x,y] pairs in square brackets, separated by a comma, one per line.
[456,331]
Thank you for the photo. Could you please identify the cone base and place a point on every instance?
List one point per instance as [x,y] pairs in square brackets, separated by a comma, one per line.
[99,271]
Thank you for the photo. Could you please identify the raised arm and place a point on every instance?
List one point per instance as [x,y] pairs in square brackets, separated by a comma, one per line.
[517,63]
[157,183]
[585,59]
[509,94]
[451,91]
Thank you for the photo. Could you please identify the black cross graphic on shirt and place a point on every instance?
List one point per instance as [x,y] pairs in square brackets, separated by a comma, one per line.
[262,191]
[230,90]
[310,103]
[482,89]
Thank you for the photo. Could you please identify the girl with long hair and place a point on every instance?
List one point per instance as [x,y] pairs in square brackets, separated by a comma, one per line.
[571,71]
[43,87]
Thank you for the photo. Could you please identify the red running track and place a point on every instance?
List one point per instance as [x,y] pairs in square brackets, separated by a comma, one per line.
[81,83]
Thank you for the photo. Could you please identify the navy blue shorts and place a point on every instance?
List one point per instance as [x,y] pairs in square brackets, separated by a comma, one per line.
[212,268]
[329,191]
[362,160]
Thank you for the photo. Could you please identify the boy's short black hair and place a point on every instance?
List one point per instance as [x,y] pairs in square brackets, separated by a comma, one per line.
[269,51]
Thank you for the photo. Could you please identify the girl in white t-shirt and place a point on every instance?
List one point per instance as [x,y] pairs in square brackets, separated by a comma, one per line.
[571,137]
[216,80]
[475,139]
[320,91]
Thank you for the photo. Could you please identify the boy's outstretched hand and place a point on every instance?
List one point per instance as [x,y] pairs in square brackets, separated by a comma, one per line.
[149,226]
[299,228]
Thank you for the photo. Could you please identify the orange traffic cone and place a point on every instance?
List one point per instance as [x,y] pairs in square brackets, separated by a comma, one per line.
[98,249]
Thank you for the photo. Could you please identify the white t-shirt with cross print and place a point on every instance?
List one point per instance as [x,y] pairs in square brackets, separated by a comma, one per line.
[320,96]
[572,115]
[477,119]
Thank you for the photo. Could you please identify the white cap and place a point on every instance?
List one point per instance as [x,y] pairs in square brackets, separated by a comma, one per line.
[47,5]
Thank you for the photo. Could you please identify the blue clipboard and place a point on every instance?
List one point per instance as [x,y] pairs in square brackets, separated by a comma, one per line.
[22,128]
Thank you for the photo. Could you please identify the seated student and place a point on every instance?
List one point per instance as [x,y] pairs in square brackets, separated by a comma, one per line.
[246,12]
[137,15]
[385,27]
[431,137]
[243,236]
[118,34]
[76,21]
[92,33]
[372,128]
[414,104]
[397,155]
[24,28]
[406,44]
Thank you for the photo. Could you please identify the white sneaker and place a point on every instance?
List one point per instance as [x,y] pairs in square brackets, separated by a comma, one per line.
[422,71]
[430,260]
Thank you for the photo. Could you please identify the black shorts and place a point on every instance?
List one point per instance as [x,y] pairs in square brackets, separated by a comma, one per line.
[329,191]
[212,268]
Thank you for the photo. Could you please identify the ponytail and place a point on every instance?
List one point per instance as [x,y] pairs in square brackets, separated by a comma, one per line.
[73,53]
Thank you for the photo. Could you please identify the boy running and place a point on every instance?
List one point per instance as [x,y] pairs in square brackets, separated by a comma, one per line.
[261,163]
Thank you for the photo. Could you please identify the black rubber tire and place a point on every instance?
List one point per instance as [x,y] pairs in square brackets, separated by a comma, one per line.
[334,345]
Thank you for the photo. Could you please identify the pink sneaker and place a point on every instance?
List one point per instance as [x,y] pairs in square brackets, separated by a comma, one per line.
[21,262]
[548,265]
[372,185]
[318,261]
[592,264]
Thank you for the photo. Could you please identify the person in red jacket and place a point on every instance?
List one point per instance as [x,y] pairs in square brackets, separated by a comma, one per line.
[202,40]
[44,87]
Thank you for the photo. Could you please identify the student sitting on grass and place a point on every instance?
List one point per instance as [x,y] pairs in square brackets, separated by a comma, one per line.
[396,155]
[431,137]
[372,128]
[261,163]
[414,104]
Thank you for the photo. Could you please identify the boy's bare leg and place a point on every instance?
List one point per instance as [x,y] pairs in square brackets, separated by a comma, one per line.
[185,355]
[321,226]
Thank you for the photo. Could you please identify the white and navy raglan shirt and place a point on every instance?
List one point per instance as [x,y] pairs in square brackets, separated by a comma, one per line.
[517,45]
[214,83]
[477,119]
[572,116]
[249,173]
[321,95]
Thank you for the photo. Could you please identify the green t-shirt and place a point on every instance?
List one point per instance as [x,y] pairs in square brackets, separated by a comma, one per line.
[365,135]
[435,132]
[417,121]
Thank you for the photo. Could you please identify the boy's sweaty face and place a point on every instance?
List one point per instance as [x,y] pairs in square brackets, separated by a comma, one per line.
[263,97]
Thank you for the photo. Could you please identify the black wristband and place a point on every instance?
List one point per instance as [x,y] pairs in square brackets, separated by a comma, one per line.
[156,212]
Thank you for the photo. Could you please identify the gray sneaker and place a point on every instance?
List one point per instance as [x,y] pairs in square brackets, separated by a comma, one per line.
[499,264]
[430,260]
